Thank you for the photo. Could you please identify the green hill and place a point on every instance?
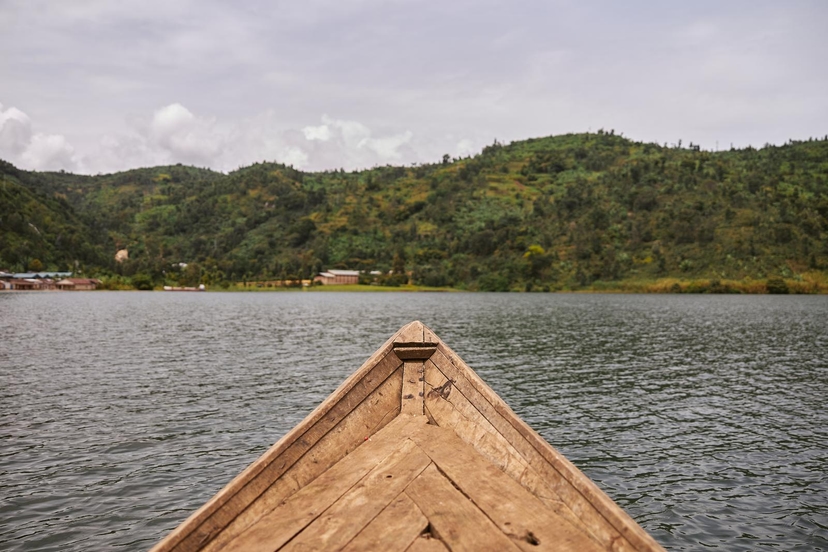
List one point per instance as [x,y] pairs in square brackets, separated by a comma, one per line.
[563,212]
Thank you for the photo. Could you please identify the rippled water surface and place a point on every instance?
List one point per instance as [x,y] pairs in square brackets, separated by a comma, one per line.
[703,416]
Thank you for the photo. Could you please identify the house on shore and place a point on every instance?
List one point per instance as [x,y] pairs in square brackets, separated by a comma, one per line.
[335,276]
[43,281]
[78,284]
[26,284]
[30,281]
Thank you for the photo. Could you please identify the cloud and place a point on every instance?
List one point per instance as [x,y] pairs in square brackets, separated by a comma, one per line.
[388,147]
[36,151]
[175,134]
[294,156]
[465,147]
[355,143]
[321,133]
[15,131]
[185,137]
[49,152]
[137,83]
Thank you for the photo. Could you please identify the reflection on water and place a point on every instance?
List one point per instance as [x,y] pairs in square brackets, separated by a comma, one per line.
[120,413]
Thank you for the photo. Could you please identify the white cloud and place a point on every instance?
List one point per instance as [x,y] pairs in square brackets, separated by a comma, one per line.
[170,119]
[294,156]
[354,133]
[15,131]
[389,146]
[464,147]
[36,151]
[185,137]
[175,134]
[49,152]
[321,133]
[355,143]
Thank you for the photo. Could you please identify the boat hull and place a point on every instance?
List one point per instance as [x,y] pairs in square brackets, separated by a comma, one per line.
[413,423]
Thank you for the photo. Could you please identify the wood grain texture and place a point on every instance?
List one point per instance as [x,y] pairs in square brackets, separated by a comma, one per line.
[371,415]
[455,520]
[299,510]
[607,522]
[599,528]
[203,525]
[395,528]
[412,388]
[410,333]
[499,485]
[423,544]
[429,336]
[198,528]
[356,508]
[453,410]
[514,510]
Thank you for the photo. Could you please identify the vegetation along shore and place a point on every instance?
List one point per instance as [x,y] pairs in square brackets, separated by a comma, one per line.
[577,212]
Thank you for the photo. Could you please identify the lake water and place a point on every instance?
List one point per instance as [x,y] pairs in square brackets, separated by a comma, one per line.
[703,416]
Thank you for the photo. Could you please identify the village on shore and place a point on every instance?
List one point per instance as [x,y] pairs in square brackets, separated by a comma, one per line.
[45,281]
[63,281]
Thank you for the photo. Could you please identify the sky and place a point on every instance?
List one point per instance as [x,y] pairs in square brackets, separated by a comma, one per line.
[98,86]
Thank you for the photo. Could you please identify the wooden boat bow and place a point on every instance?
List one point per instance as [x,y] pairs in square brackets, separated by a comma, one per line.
[412,452]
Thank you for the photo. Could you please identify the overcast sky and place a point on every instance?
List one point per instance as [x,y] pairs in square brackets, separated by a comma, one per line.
[99,86]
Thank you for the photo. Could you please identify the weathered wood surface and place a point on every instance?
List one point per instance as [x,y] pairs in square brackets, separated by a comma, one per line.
[427,544]
[453,518]
[453,410]
[412,387]
[353,511]
[395,528]
[350,432]
[518,513]
[412,452]
[607,522]
[281,524]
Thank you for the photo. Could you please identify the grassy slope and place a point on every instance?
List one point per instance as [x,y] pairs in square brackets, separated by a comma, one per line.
[564,212]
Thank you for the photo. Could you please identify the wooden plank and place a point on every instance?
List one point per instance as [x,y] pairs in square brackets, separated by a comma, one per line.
[608,523]
[429,336]
[415,352]
[412,388]
[204,524]
[355,510]
[395,528]
[599,528]
[371,415]
[410,333]
[517,513]
[278,526]
[424,544]
[454,411]
[455,520]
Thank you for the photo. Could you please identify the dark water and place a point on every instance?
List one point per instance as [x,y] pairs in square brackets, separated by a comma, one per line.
[703,416]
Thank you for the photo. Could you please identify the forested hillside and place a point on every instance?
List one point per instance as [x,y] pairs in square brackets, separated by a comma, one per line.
[563,212]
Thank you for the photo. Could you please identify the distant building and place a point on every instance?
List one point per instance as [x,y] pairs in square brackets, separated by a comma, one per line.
[26,284]
[334,276]
[78,284]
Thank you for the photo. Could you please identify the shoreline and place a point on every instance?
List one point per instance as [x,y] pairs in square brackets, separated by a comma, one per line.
[812,284]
